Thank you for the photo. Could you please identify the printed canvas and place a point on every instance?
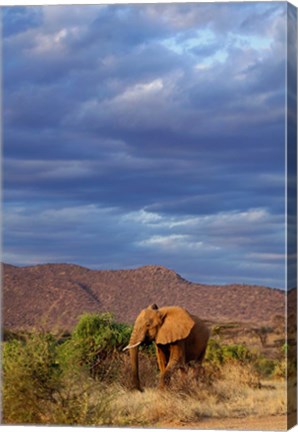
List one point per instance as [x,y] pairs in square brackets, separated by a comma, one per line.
[149,215]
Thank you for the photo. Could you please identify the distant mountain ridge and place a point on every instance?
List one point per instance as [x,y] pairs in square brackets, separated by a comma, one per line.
[55,295]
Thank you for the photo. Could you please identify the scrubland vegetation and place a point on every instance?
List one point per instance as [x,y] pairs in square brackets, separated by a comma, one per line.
[83,378]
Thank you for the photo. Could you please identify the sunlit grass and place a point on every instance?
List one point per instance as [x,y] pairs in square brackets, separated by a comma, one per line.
[49,380]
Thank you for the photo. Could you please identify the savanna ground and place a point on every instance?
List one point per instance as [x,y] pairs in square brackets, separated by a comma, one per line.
[83,379]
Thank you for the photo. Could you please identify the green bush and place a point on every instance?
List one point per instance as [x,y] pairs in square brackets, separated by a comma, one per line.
[214,352]
[45,379]
[95,344]
[102,330]
[237,352]
[265,367]
[39,389]
[220,354]
[31,378]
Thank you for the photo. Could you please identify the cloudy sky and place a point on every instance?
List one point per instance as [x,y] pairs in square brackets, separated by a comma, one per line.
[147,134]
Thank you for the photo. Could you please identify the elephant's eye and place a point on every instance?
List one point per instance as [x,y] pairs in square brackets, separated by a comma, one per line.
[148,323]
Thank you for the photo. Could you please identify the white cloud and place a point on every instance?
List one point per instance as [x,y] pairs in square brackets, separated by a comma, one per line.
[221,233]
[219,220]
[142,216]
[141,90]
[47,43]
[177,243]
[170,241]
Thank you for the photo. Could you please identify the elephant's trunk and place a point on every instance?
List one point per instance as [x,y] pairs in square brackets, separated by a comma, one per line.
[135,340]
[134,361]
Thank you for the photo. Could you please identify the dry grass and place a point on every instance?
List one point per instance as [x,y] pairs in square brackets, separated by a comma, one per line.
[45,384]
[233,391]
[236,393]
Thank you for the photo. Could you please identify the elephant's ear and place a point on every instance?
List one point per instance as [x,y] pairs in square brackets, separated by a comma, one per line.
[177,324]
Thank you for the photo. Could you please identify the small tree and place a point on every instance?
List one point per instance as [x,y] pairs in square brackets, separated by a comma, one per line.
[96,339]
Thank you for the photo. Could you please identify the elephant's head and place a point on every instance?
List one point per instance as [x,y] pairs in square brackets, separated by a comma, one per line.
[165,325]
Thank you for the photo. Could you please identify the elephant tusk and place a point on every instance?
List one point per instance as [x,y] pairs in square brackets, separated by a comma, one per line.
[131,346]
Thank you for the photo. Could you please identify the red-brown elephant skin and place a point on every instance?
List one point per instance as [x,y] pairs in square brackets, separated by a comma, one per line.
[179,336]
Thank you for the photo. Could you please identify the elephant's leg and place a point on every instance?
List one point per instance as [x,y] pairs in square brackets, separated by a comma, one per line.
[176,359]
[161,359]
[201,356]
[198,368]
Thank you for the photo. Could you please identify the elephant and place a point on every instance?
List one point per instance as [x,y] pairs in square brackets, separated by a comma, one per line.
[179,337]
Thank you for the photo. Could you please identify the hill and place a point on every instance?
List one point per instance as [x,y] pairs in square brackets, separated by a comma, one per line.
[55,295]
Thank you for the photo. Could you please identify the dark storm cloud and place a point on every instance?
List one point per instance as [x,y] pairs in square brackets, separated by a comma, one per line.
[20,19]
[124,125]
[121,29]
